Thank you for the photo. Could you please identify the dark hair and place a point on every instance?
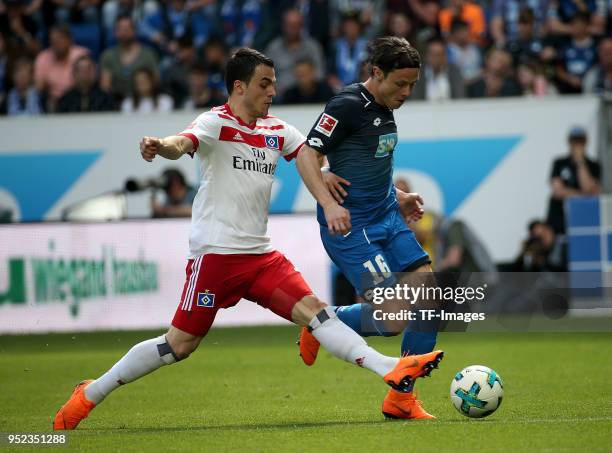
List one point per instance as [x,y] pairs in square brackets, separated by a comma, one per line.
[390,53]
[215,41]
[534,223]
[582,16]
[155,91]
[82,58]
[351,16]
[458,24]
[198,68]
[241,66]
[185,41]
[20,63]
[173,174]
[125,17]
[436,40]
[526,16]
[305,60]
[62,29]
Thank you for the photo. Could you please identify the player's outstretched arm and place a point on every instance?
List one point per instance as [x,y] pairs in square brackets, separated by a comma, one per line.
[309,165]
[172,147]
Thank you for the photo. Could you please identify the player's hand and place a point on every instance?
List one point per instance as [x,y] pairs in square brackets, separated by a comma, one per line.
[149,147]
[338,219]
[411,206]
[334,185]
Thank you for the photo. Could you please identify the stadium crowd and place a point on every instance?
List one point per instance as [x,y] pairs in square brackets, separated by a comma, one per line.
[148,55]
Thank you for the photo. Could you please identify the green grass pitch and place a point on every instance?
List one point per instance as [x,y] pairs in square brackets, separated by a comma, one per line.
[247,390]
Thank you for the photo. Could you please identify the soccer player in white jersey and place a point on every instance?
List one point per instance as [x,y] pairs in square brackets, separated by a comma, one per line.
[230,253]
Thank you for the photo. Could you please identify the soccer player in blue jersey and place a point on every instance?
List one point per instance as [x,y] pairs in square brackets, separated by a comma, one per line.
[362,220]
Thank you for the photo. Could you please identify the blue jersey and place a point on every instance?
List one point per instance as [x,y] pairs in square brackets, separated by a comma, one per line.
[358,137]
[579,59]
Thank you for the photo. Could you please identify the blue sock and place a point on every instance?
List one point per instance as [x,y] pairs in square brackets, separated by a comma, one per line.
[360,318]
[419,338]
[418,342]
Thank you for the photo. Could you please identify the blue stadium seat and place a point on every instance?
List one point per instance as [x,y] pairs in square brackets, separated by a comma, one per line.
[88,35]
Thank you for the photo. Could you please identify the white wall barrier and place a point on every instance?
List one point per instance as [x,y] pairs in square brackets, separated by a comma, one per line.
[487,162]
[126,275]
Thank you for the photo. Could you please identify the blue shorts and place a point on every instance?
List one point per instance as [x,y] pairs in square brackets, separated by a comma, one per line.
[369,255]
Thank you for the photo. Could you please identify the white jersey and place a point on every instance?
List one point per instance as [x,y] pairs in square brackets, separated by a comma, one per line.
[230,210]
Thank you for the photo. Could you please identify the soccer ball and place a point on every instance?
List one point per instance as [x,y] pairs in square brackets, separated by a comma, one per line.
[476,391]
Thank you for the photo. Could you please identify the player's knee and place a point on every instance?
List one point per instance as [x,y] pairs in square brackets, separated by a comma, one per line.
[314,303]
[182,343]
[183,350]
[306,309]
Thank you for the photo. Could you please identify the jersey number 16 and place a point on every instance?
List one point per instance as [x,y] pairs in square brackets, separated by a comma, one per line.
[378,275]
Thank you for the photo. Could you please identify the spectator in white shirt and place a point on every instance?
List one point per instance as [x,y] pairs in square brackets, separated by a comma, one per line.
[440,81]
[147,97]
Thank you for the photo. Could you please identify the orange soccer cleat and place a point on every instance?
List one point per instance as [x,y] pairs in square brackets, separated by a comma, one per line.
[404,405]
[411,367]
[76,409]
[309,346]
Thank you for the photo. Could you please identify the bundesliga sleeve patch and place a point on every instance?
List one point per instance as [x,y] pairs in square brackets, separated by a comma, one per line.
[326,124]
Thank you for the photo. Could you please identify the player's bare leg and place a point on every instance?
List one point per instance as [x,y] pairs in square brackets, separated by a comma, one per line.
[142,359]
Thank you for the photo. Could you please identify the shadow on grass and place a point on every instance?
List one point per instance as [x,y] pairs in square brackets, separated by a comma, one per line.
[273,426]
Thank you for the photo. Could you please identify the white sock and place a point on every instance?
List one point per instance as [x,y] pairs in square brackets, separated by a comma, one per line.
[138,362]
[344,343]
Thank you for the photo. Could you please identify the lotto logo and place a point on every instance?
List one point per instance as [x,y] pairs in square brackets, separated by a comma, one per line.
[326,124]
[315,142]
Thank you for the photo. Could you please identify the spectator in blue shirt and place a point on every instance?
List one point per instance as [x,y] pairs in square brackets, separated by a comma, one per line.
[215,57]
[76,11]
[178,18]
[240,20]
[349,51]
[528,46]
[562,12]
[462,52]
[506,15]
[141,13]
[577,57]
[23,98]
